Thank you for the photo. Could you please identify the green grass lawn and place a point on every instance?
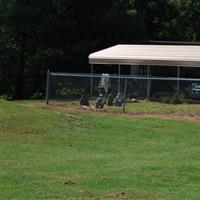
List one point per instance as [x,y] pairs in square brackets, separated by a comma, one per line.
[55,154]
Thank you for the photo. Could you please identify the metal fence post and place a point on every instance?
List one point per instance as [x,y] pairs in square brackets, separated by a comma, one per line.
[91,81]
[47,86]
[125,89]
[178,80]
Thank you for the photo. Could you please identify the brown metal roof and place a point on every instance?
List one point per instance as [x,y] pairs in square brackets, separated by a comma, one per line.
[162,55]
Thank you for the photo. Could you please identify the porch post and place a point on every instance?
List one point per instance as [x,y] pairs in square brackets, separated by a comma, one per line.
[178,80]
[119,81]
[148,82]
[91,80]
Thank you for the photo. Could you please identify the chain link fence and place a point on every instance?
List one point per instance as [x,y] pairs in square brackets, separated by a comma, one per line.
[62,87]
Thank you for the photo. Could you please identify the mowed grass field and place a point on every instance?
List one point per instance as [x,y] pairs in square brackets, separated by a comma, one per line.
[70,154]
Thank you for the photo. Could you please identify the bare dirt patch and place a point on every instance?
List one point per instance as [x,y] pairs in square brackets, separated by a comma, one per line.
[70,182]
[120,195]
[75,107]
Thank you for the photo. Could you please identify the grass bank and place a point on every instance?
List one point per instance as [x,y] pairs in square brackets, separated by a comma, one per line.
[54,154]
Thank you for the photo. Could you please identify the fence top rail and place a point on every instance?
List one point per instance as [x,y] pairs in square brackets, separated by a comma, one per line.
[87,75]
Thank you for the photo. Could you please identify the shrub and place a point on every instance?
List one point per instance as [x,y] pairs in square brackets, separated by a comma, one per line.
[165,99]
[37,95]
[176,99]
[69,92]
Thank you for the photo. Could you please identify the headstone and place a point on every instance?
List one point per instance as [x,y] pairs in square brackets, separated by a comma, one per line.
[105,82]
[118,100]
[100,102]
[110,100]
[84,100]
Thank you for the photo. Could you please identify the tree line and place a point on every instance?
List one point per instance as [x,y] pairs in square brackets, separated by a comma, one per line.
[37,35]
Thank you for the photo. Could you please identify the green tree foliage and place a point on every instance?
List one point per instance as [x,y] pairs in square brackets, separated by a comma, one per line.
[36,35]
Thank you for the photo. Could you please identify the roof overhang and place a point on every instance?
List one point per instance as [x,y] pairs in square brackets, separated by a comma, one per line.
[161,55]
